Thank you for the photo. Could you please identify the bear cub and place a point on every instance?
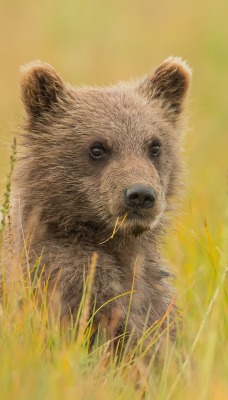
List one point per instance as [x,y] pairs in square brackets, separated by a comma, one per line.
[99,171]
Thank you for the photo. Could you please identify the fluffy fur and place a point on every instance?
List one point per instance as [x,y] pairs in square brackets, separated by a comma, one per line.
[68,203]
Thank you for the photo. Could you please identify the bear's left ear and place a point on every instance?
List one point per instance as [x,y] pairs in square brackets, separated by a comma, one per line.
[169,84]
[41,88]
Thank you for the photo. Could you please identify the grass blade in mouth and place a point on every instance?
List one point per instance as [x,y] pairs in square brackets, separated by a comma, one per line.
[116,227]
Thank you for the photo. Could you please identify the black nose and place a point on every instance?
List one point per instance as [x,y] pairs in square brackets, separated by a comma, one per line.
[140,196]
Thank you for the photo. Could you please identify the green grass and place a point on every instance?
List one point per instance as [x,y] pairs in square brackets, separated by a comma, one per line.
[98,42]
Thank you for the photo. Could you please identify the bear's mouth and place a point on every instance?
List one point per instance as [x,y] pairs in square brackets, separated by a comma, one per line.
[136,215]
[136,222]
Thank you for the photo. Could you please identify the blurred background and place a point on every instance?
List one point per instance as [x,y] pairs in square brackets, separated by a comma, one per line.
[100,42]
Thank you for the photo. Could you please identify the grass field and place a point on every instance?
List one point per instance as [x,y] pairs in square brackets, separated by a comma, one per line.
[100,42]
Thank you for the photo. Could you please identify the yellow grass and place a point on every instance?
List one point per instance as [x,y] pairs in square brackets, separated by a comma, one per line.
[100,42]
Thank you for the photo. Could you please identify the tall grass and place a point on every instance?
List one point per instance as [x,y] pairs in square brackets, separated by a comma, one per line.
[101,42]
[42,358]
[4,210]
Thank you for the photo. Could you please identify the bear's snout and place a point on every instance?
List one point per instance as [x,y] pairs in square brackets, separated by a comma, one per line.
[140,196]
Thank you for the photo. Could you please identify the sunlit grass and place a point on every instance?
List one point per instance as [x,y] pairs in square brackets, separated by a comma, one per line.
[42,356]
[98,43]
[38,359]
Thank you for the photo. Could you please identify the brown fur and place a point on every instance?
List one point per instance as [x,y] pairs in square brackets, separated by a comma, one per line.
[69,203]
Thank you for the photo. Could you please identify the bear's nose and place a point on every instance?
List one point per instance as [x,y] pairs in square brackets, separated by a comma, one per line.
[140,196]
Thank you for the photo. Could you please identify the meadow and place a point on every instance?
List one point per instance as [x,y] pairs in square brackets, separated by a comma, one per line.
[101,42]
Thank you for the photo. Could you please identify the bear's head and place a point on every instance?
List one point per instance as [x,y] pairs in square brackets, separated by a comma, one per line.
[93,155]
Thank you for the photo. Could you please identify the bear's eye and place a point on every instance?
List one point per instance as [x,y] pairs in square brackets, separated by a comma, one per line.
[155,148]
[97,151]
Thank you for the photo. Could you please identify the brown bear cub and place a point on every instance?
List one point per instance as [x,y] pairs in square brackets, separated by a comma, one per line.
[95,159]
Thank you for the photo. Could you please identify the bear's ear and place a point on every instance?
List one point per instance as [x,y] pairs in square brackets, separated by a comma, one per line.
[169,84]
[41,88]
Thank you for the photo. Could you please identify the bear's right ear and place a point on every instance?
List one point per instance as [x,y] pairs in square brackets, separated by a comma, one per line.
[168,84]
[41,88]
